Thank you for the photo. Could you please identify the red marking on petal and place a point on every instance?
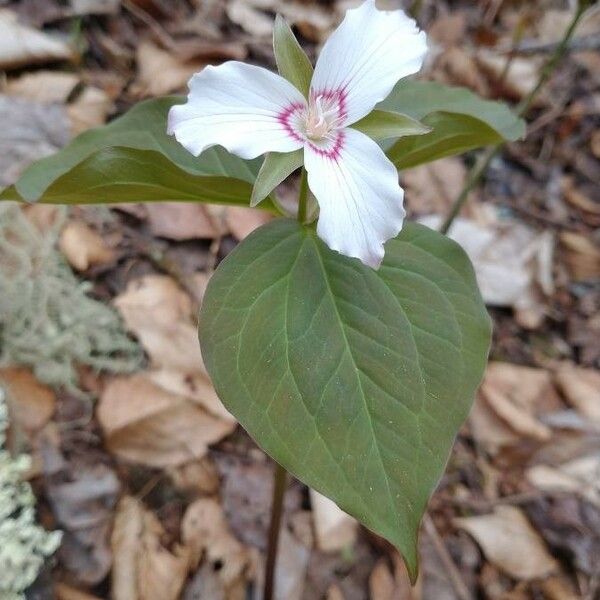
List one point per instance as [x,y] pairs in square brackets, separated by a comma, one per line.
[285,118]
[334,151]
[338,96]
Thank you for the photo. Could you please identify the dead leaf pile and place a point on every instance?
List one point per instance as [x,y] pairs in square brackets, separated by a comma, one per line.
[143,568]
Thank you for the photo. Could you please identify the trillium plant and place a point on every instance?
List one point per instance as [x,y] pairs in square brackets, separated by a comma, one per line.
[347,341]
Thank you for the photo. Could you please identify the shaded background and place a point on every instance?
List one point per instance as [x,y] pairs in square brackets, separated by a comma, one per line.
[158,493]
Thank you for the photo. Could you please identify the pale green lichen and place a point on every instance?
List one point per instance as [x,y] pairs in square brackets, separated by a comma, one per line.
[24,545]
[48,321]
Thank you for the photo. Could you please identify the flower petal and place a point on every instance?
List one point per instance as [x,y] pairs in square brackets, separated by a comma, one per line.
[365,57]
[358,193]
[244,108]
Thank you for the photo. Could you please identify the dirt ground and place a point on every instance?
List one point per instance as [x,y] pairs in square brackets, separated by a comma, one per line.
[159,493]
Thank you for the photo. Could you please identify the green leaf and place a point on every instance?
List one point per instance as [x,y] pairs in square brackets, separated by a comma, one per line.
[384,124]
[292,62]
[275,168]
[111,164]
[459,119]
[355,380]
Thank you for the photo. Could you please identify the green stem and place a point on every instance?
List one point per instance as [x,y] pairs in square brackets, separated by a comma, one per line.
[279,485]
[482,164]
[303,197]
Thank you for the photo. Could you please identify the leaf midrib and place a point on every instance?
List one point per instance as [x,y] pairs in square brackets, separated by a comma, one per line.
[357,370]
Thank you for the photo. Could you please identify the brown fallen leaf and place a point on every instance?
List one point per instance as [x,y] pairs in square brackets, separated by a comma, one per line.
[21,45]
[82,498]
[509,402]
[144,423]
[31,403]
[199,476]
[582,256]
[143,568]
[513,262]
[30,131]
[159,313]
[206,533]
[196,387]
[580,476]
[242,221]
[292,563]
[62,591]
[334,529]
[89,109]
[516,82]
[431,188]
[509,541]
[43,86]
[160,72]
[183,221]
[84,247]
[248,15]
[581,388]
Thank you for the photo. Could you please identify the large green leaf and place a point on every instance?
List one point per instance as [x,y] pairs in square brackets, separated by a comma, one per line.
[459,119]
[133,159]
[355,380]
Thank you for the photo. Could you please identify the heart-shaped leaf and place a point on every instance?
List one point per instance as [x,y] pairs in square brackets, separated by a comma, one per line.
[134,160]
[354,380]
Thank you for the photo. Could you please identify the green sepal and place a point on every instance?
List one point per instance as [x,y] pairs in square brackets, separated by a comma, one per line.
[292,62]
[384,124]
[275,168]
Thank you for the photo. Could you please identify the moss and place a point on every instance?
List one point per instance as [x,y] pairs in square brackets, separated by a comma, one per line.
[48,321]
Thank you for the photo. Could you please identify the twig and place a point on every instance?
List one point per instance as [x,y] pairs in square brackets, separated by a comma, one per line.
[483,163]
[460,587]
[528,47]
[151,22]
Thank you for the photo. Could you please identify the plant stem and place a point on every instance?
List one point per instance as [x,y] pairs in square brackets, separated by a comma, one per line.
[482,164]
[279,485]
[303,197]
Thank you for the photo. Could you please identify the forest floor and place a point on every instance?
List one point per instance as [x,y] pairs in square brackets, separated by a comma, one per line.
[159,493]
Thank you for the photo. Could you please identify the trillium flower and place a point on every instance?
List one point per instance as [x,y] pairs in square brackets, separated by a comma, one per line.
[251,111]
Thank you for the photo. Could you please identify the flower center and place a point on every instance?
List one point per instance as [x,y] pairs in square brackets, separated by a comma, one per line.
[321,117]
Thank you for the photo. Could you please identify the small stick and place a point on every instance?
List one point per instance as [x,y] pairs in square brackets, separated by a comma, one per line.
[460,587]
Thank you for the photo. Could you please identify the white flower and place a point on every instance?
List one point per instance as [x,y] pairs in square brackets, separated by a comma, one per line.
[251,111]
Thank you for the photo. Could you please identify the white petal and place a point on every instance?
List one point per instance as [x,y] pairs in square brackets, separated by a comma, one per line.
[244,108]
[366,56]
[358,193]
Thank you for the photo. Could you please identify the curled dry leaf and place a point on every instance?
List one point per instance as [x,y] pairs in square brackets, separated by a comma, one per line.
[335,530]
[31,403]
[509,541]
[508,404]
[205,531]
[581,388]
[21,45]
[146,424]
[199,476]
[143,568]
[84,247]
